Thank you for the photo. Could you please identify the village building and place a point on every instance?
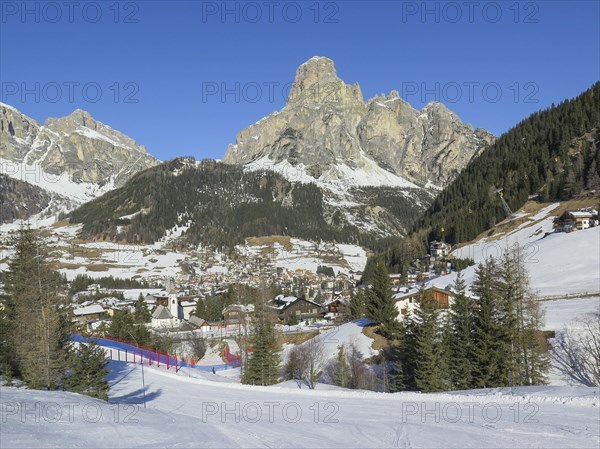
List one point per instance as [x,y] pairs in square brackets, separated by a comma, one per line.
[407,300]
[88,313]
[576,220]
[162,318]
[237,315]
[291,309]
[439,250]
[338,310]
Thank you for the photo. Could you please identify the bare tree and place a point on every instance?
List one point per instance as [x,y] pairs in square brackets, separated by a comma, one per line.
[577,352]
[197,345]
[309,362]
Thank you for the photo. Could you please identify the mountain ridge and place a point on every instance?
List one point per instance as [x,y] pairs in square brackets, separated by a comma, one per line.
[327,129]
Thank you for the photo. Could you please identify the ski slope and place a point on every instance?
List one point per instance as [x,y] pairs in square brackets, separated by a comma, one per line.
[187,412]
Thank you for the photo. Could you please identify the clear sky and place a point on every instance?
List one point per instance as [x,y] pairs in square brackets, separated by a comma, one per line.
[183,78]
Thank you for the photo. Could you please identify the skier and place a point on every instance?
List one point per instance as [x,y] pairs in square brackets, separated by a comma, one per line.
[213,370]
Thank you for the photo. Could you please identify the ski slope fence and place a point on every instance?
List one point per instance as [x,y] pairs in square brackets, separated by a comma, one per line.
[120,350]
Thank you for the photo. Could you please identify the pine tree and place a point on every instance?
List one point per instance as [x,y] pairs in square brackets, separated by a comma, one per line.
[593,179]
[380,304]
[430,369]
[487,334]
[88,371]
[357,304]
[461,346]
[38,328]
[263,365]
[141,314]
[342,369]
[397,374]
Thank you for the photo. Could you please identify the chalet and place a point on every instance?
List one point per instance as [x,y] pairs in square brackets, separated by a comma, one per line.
[88,313]
[338,310]
[237,315]
[439,250]
[407,299]
[201,324]
[576,220]
[395,278]
[296,309]
[187,306]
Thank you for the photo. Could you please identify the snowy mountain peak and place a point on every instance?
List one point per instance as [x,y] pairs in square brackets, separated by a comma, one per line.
[73,157]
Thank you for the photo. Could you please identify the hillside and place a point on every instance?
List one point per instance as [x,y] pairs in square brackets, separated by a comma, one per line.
[553,154]
[19,199]
[559,264]
[210,202]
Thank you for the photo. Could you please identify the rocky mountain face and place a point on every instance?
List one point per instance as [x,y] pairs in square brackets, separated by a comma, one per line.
[73,158]
[329,133]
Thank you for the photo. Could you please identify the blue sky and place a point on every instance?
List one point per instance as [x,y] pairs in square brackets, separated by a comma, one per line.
[156,70]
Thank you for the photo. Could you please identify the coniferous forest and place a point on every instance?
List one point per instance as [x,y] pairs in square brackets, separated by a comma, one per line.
[224,203]
[553,154]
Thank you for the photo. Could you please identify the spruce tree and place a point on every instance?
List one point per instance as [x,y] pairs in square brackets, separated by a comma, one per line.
[342,369]
[141,314]
[263,365]
[430,369]
[487,333]
[88,371]
[380,304]
[461,346]
[357,304]
[38,328]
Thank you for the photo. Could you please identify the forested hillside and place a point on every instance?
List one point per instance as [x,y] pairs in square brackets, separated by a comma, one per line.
[19,199]
[221,204]
[554,153]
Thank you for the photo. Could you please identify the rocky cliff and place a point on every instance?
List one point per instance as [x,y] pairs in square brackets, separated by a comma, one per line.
[328,132]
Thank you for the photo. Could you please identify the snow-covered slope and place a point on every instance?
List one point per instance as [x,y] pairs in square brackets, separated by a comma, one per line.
[187,412]
[558,263]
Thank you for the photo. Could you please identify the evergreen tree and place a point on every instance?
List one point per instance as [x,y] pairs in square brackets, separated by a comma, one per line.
[124,327]
[380,304]
[521,322]
[37,330]
[88,371]
[487,333]
[357,304]
[141,314]
[461,345]
[430,369]
[342,369]
[263,365]
[593,179]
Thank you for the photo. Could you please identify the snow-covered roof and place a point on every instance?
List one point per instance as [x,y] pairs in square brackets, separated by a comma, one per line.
[583,213]
[89,310]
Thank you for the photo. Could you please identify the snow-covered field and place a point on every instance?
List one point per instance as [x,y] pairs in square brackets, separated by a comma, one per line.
[558,263]
[191,412]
